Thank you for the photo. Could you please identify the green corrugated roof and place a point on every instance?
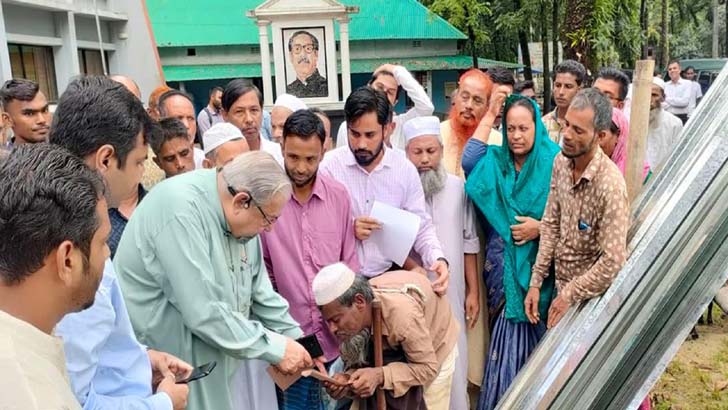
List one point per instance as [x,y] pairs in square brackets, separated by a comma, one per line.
[223,22]
[365,66]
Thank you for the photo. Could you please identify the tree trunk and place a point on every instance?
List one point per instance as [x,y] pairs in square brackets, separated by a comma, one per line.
[644,21]
[523,43]
[576,36]
[554,31]
[546,72]
[471,39]
[664,52]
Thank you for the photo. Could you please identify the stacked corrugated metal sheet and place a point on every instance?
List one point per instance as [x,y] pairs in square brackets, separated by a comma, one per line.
[608,353]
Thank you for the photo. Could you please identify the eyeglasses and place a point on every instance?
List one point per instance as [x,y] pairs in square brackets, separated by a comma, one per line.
[268,221]
[477,101]
[297,48]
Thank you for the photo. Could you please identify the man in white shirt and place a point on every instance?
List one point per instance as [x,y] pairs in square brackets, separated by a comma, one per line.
[454,219]
[242,106]
[678,92]
[664,128]
[176,104]
[689,75]
[59,218]
[390,79]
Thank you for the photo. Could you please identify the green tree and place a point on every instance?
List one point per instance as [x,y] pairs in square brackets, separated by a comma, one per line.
[469,17]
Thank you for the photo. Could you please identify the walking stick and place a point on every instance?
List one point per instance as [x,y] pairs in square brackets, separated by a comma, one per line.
[378,355]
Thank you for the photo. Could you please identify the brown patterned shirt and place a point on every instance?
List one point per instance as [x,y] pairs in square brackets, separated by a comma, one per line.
[552,126]
[584,229]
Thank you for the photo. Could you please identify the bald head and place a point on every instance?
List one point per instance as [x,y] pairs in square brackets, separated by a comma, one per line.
[128,83]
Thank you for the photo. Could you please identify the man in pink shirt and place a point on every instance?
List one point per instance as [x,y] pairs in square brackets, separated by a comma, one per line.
[315,229]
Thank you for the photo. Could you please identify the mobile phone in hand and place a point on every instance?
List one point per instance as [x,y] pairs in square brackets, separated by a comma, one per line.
[312,346]
[198,373]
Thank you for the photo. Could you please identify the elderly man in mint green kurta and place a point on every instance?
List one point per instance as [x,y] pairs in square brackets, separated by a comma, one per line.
[193,278]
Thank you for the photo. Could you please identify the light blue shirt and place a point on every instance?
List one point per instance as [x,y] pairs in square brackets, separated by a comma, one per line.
[108,367]
[266,127]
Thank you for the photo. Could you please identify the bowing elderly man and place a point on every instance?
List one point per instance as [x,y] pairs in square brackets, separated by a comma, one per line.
[419,335]
[454,219]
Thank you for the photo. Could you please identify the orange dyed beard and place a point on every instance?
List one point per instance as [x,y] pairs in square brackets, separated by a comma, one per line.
[462,129]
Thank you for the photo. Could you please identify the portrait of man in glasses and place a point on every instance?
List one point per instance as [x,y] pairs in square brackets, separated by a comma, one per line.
[303,53]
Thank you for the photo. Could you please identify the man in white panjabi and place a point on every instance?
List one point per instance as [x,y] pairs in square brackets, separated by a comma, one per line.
[454,219]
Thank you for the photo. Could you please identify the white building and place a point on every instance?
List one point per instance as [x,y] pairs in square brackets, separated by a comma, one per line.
[51,41]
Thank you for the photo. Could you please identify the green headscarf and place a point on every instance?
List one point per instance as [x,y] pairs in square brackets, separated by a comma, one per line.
[501,197]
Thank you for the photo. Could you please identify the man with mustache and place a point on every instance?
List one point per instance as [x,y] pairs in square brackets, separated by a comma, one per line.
[315,229]
[372,172]
[584,227]
[417,325]
[664,129]
[470,104]
[569,78]
[25,110]
[454,219]
[242,106]
[303,48]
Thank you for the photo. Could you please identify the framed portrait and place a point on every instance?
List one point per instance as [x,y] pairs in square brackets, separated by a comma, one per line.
[305,60]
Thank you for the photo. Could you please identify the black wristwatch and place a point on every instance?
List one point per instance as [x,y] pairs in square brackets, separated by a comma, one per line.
[444,260]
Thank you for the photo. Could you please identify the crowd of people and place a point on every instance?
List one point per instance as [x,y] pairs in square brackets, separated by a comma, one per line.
[139,243]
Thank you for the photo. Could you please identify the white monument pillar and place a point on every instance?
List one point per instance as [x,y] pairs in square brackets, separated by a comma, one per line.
[345,64]
[265,61]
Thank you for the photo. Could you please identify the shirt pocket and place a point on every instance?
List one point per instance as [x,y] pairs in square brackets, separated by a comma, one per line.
[585,238]
[326,248]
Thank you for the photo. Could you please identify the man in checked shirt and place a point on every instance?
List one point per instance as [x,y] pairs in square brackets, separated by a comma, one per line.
[584,227]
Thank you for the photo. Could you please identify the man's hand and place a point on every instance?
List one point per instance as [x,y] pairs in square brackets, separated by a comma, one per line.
[443,277]
[531,305]
[295,358]
[558,309]
[164,364]
[385,67]
[176,392]
[472,308]
[364,381]
[526,230]
[364,226]
[497,98]
[340,390]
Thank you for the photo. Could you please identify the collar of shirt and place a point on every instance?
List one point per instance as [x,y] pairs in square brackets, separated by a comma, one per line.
[350,160]
[591,170]
[317,191]
[213,199]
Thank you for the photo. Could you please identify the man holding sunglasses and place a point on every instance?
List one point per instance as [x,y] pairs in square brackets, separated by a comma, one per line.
[190,264]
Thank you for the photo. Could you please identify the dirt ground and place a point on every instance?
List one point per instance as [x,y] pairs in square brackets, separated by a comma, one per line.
[697,378]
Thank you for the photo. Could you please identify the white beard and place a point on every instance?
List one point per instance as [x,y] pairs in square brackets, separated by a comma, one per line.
[655,115]
[355,350]
[433,181]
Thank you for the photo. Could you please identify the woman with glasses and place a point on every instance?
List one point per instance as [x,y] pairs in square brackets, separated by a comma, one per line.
[509,185]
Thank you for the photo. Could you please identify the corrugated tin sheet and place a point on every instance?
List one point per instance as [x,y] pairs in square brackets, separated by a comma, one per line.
[223,22]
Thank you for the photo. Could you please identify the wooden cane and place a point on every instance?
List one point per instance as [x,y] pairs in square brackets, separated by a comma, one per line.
[378,354]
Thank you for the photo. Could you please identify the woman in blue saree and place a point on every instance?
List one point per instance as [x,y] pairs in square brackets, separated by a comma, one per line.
[509,185]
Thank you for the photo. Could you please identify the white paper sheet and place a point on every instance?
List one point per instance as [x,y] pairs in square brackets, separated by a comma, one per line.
[398,233]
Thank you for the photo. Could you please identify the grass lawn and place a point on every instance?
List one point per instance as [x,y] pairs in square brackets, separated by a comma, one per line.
[697,378]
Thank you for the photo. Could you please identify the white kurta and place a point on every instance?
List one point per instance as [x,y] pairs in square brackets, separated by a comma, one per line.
[454,219]
[662,137]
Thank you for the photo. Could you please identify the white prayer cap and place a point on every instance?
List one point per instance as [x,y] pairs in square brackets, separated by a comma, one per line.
[219,134]
[331,282]
[658,82]
[291,102]
[419,126]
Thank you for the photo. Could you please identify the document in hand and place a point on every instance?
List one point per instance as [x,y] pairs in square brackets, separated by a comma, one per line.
[398,233]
